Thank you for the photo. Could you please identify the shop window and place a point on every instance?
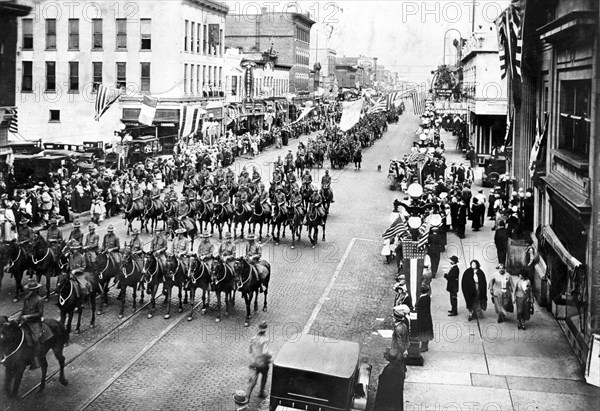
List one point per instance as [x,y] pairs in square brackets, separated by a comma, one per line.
[50,76]
[54,116]
[575,117]
[27,34]
[145,31]
[185,35]
[50,34]
[97,34]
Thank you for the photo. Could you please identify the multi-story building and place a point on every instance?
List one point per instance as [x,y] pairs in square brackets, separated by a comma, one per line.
[288,33]
[559,88]
[485,91]
[172,51]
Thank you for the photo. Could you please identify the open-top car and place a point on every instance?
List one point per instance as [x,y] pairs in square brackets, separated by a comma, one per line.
[317,373]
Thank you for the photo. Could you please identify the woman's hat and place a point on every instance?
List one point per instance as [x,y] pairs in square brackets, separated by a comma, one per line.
[33,285]
[76,224]
[400,311]
[240,398]
[110,228]
[454,259]
[180,231]
[227,236]
[92,226]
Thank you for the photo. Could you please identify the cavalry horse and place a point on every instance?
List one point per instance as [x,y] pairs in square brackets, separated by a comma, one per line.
[199,274]
[259,217]
[251,284]
[313,221]
[299,164]
[310,160]
[295,223]
[43,262]
[204,215]
[279,219]
[241,215]
[153,277]
[133,210]
[221,216]
[17,355]
[319,157]
[72,293]
[176,276]
[223,279]
[186,223]
[327,196]
[18,263]
[104,270]
[153,211]
[129,275]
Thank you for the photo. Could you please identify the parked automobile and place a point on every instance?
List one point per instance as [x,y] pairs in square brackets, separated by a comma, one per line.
[315,373]
[493,168]
[31,170]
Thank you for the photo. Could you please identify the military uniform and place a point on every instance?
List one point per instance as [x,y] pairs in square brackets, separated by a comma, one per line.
[255,177]
[76,263]
[180,246]
[263,199]
[296,200]
[155,193]
[206,250]
[281,201]
[316,202]
[136,247]
[158,246]
[92,242]
[54,239]
[223,200]
[31,318]
[112,244]
[229,177]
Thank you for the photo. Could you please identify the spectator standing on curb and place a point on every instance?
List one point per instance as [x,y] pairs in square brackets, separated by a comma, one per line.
[452,286]
[261,359]
[436,247]
[501,242]
[424,321]
[390,389]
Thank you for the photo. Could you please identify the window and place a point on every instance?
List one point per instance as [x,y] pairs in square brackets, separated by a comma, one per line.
[234,86]
[27,34]
[198,85]
[121,34]
[198,35]
[185,36]
[27,81]
[220,78]
[192,70]
[575,116]
[145,77]
[121,75]
[96,75]
[54,116]
[145,29]
[204,38]
[97,34]
[73,34]
[50,34]
[50,76]
[185,79]
[192,34]
[220,42]
[73,76]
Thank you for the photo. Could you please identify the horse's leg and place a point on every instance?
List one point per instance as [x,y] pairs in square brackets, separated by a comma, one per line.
[168,300]
[93,307]
[134,295]
[247,301]
[193,301]
[122,297]
[256,301]
[48,276]
[57,349]
[266,291]
[180,286]
[68,327]
[185,296]
[324,225]
[17,381]
[152,288]
[260,232]
[79,310]
[218,293]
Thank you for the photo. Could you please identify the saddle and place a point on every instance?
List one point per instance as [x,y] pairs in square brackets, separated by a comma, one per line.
[259,270]
[37,331]
[81,284]
[188,224]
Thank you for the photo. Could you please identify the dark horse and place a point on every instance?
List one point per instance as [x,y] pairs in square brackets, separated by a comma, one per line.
[205,216]
[280,218]
[43,262]
[72,293]
[241,215]
[260,217]
[313,221]
[177,276]
[133,210]
[223,279]
[153,277]
[17,355]
[221,216]
[129,275]
[18,263]
[153,211]
[199,276]
[105,269]
[251,284]
[295,223]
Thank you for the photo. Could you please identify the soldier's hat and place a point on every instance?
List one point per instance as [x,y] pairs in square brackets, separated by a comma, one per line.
[75,245]
[24,221]
[227,236]
[158,230]
[76,224]
[92,226]
[135,232]
[53,221]
[180,231]
[250,237]
[110,228]
[206,234]
[33,285]
[262,326]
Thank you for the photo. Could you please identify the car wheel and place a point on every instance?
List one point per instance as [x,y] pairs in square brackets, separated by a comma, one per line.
[493,178]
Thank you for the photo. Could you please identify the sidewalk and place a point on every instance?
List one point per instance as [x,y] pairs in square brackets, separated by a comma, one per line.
[485,365]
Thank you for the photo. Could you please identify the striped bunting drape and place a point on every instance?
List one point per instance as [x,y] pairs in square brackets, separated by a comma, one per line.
[106,96]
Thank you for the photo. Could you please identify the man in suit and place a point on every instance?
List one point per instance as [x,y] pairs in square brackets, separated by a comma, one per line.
[501,241]
[436,247]
[390,390]
[452,286]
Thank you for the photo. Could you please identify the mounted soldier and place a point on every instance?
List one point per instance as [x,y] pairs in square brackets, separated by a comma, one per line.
[263,198]
[253,256]
[181,248]
[155,192]
[136,196]
[326,185]
[306,180]
[296,201]
[136,248]
[244,198]
[229,176]
[223,200]
[280,200]
[316,202]
[278,163]
[277,176]
[208,197]
[54,238]
[219,175]
[158,248]
[206,250]
[76,233]
[171,196]
[289,160]
[77,263]
[36,333]
[226,253]
[92,243]
[112,245]
[25,236]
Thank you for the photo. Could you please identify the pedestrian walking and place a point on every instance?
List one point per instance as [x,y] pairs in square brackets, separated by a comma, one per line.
[523,299]
[261,359]
[424,320]
[477,214]
[501,242]
[474,288]
[390,390]
[452,286]
[501,291]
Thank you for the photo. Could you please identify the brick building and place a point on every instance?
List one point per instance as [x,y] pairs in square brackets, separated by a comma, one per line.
[287,33]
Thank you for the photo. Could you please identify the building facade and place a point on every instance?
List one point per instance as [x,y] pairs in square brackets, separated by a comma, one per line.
[485,91]
[287,33]
[172,51]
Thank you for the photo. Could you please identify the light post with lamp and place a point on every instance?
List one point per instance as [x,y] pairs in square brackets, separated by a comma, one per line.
[460,43]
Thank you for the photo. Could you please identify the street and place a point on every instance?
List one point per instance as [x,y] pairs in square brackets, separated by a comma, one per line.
[340,289]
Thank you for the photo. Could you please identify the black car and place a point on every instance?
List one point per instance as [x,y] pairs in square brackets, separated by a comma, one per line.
[493,168]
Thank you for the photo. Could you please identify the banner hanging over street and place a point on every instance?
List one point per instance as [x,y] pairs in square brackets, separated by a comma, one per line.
[350,114]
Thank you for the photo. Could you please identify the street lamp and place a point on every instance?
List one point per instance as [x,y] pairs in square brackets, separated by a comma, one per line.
[445,34]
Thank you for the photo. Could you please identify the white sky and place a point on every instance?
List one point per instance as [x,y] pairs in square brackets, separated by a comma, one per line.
[406,36]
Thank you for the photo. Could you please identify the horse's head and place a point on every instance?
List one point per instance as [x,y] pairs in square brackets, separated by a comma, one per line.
[39,242]
[10,335]
[61,282]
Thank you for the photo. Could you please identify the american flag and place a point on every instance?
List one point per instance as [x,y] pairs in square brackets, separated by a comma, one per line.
[510,40]
[13,124]
[106,96]
[390,99]
[415,157]
[398,227]
[378,107]
[423,236]
[418,102]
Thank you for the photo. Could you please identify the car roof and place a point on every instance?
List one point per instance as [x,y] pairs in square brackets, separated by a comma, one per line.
[320,355]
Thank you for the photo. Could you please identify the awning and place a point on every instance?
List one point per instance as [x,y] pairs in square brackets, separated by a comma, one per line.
[571,198]
[550,237]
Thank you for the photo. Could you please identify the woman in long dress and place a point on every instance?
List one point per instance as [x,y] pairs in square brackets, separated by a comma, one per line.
[424,320]
[501,290]
[474,288]
[523,299]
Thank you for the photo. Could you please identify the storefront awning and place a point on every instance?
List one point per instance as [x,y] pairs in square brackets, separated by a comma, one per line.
[550,237]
